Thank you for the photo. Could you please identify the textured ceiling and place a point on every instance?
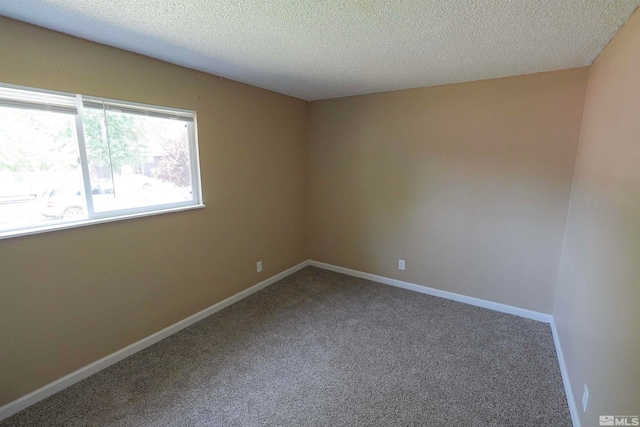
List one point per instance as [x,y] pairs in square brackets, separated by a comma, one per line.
[315,49]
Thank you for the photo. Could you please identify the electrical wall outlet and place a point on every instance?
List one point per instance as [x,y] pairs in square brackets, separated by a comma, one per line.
[259,266]
[585,398]
[400,264]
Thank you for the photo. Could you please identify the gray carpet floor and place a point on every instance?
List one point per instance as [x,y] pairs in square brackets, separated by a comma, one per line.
[324,349]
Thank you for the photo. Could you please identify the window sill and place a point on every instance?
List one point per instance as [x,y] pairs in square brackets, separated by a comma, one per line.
[87,222]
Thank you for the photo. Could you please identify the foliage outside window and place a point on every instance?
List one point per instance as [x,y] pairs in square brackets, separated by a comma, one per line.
[70,159]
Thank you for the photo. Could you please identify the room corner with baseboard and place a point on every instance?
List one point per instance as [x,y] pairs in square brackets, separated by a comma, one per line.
[598,279]
[378,240]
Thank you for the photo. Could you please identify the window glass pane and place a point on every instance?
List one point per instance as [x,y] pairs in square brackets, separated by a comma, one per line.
[132,159]
[136,161]
[40,178]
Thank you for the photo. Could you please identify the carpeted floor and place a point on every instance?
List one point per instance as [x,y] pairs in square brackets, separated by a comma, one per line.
[323,349]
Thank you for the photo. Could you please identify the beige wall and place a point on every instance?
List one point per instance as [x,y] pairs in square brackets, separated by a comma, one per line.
[68,298]
[469,183]
[597,310]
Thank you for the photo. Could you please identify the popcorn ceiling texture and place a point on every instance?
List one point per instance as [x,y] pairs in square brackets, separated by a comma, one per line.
[316,49]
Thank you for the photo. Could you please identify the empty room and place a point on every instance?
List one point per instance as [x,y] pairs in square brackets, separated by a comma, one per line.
[319,213]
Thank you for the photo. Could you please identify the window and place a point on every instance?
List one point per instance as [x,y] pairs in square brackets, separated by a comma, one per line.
[69,160]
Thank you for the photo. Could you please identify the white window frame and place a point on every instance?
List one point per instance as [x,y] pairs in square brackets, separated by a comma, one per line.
[48,100]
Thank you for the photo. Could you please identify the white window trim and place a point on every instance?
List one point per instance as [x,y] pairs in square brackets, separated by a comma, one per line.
[189,116]
[86,222]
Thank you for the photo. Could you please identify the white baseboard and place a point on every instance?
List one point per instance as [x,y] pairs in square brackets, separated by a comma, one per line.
[82,373]
[542,317]
[573,408]
[523,312]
